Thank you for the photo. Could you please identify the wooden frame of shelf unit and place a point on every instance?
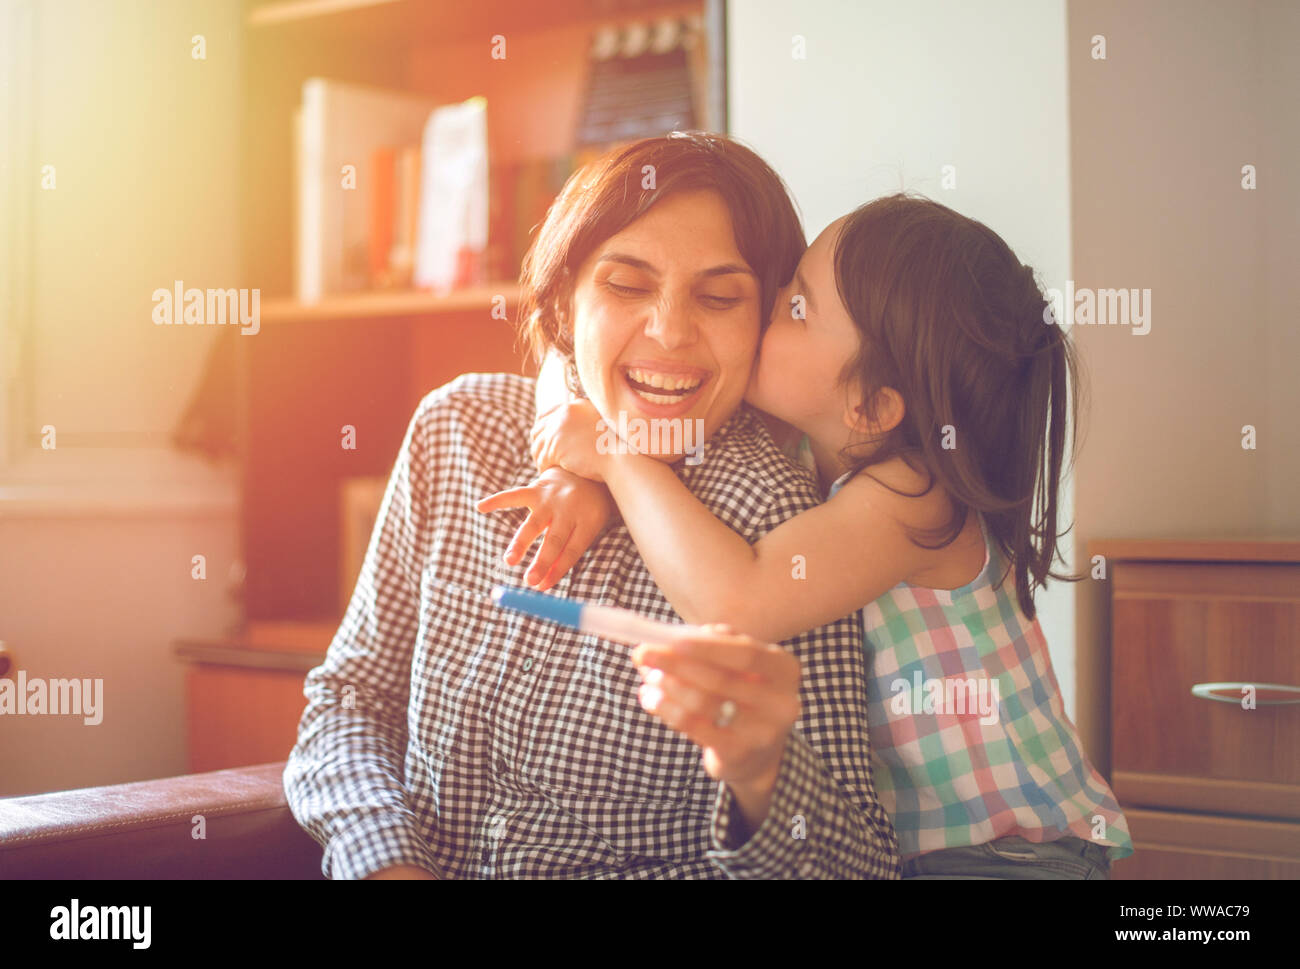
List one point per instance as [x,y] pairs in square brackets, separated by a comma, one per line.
[375,305]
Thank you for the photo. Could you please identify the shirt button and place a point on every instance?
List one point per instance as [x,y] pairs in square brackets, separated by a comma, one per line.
[528,664]
[498,828]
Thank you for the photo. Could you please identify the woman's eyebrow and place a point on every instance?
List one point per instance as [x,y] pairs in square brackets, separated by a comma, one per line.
[726,269]
[627,260]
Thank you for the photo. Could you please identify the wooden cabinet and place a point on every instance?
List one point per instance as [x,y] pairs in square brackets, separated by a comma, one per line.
[1205,706]
[244,696]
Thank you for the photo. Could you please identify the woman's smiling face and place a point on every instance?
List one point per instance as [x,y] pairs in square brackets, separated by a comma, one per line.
[666,317]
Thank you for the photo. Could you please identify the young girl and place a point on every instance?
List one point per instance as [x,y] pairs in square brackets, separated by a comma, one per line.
[919,361]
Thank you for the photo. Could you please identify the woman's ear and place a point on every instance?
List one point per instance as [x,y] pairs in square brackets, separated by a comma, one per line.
[877,417]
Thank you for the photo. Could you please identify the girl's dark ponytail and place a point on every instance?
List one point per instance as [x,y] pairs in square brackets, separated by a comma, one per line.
[950,318]
[1052,378]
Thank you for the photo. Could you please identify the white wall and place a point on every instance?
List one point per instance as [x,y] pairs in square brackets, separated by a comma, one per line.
[891,92]
[96,536]
[1190,91]
[1278,35]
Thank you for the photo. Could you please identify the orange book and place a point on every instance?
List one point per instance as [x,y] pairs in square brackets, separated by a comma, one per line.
[382,162]
[406,212]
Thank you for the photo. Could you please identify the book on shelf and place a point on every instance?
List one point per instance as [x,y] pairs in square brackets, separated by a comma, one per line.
[396,193]
[398,271]
[341,131]
[383,202]
[452,233]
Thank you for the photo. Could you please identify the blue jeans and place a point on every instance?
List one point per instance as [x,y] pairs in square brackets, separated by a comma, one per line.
[1012,857]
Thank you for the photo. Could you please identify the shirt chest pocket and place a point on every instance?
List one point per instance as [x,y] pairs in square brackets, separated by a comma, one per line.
[459,657]
[594,740]
[558,709]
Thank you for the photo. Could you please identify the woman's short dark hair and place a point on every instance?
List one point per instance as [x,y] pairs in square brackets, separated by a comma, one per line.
[605,196]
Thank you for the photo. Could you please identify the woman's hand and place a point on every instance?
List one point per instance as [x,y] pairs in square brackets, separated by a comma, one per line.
[567,436]
[572,511]
[735,697]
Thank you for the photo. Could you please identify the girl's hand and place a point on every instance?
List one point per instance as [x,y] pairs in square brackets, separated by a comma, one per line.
[735,697]
[571,510]
[566,436]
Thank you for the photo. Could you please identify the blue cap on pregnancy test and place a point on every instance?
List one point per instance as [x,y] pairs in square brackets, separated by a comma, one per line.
[567,612]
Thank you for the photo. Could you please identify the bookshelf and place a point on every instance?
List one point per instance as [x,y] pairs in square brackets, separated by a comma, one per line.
[365,359]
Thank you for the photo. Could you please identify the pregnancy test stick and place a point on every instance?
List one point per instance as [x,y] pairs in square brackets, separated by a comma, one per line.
[620,625]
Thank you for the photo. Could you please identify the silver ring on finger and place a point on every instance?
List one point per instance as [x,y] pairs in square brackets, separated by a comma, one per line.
[726,714]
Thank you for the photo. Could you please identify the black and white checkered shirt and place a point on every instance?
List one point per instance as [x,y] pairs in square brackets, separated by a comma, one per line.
[474,742]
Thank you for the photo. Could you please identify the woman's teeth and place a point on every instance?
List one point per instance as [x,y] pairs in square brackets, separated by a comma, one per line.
[667,381]
[644,382]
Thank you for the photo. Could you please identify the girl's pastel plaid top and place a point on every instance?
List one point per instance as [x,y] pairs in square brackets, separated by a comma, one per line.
[970,741]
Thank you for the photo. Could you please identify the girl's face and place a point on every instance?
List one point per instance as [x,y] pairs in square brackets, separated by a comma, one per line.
[797,377]
[665,317]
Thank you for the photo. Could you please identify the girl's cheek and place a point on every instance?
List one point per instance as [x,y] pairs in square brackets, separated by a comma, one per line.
[776,346]
[762,382]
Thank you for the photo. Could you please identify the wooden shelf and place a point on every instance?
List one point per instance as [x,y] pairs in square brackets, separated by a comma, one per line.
[407,21]
[289,11]
[372,305]
[303,637]
[245,657]
[1197,550]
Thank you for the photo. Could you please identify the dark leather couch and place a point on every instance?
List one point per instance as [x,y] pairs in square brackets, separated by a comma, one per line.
[146,830]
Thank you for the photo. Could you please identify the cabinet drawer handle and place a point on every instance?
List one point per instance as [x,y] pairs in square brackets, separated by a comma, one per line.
[1266,694]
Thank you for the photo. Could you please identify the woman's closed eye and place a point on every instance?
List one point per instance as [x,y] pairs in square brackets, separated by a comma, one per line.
[622,290]
[715,301]
[719,302]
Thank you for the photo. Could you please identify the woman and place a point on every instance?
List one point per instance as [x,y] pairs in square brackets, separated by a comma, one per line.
[443,737]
